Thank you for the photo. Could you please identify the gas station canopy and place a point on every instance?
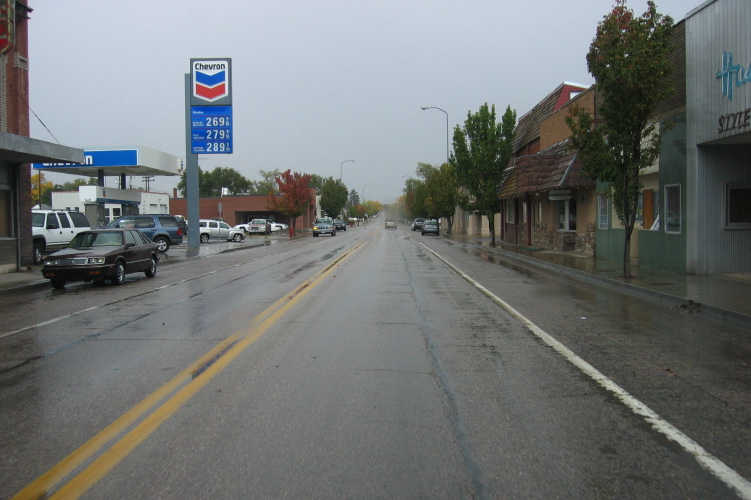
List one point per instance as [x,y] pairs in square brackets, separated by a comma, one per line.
[138,160]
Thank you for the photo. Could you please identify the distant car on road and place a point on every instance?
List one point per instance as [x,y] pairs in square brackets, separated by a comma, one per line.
[340,225]
[102,254]
[417,224]
[390,224]
[324,226]
[430,226]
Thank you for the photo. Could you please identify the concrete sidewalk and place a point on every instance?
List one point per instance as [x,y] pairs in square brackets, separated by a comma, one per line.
[726,296]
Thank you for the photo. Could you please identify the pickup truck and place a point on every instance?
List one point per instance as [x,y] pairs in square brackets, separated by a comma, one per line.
[53,230]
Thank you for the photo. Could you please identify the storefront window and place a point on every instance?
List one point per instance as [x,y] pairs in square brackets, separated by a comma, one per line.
[602,212]
[739,207]
[6,214]
[567,215]
[509,211]
[673,209]
[640,208]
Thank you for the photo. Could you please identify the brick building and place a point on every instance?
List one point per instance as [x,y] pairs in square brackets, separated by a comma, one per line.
[17,149]
[241,209]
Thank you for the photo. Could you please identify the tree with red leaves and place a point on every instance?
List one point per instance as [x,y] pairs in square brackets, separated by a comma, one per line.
[295,197]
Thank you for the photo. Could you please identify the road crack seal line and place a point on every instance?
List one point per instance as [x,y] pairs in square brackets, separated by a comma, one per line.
[473,470]
[144,418]
[706,460]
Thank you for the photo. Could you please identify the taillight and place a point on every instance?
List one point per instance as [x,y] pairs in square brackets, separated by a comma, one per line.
[179,232]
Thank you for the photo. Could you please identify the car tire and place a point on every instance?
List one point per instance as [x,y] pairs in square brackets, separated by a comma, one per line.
[162,243]
[58,284]
[204,238]
[315,235]
[38,252]
[237,238]
[119,277]
[333,234]
[151,271]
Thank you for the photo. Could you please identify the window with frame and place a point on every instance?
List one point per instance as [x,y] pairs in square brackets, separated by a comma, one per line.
[6,213]
[509,211]
[673,208]
[567,215]
[603,215]
[738,207]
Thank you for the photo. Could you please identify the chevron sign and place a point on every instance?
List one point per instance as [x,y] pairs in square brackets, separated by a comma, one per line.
[211,79]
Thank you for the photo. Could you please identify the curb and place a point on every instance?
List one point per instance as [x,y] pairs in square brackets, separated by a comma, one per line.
[724,315]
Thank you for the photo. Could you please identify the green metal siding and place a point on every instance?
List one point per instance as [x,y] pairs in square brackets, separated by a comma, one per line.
[657,249]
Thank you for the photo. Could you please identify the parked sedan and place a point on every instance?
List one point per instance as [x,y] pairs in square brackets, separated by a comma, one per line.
[430,226]
[340,225]
[262,226]
[102,254]
[417,224]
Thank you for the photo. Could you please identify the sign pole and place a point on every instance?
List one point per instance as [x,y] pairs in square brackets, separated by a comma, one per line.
[191,177]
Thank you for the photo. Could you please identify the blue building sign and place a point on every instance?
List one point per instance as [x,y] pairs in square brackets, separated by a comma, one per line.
[100,158]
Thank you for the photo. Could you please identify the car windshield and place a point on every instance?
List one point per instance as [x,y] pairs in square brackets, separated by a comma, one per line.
[89,240]
[37,220]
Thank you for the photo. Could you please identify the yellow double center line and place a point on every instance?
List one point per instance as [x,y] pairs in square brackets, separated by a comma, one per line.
[183,387]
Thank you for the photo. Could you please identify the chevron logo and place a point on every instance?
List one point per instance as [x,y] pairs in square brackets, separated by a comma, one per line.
[210,80]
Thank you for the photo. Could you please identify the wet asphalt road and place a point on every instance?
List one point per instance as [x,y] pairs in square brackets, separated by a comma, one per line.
[385,375]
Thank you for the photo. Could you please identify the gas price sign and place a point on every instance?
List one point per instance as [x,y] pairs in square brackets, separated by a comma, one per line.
[211,129]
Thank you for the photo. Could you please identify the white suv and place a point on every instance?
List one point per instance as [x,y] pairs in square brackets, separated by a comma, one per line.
[53,230]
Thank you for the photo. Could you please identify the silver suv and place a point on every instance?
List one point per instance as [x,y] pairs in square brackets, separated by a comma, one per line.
[53,230]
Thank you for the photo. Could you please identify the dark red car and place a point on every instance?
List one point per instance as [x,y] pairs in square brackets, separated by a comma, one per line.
[102,254]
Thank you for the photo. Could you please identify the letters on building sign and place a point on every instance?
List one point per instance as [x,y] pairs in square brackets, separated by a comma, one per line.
[732,75]
[734,121]
[7,18]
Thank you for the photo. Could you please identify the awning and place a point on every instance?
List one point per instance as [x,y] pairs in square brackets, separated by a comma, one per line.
[19,149]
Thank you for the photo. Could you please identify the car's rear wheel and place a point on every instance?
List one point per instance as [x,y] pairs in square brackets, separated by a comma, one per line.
[151,271]
[58,284]
[237,238]
[119,277]
[162,243]
[38,251]
[204,238]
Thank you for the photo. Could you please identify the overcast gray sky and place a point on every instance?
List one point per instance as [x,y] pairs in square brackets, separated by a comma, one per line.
[314,82]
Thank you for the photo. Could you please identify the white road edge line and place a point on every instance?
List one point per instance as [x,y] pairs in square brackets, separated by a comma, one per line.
[711,463]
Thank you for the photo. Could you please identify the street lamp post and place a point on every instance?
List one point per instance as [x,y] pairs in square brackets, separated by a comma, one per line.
[340,167]
[447,128]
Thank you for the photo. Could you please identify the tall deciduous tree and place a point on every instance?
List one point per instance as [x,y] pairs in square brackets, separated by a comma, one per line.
[441,193]
[295,199]
[482,150]
[210,184]
[333,197]
[41,189]
[629,61]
